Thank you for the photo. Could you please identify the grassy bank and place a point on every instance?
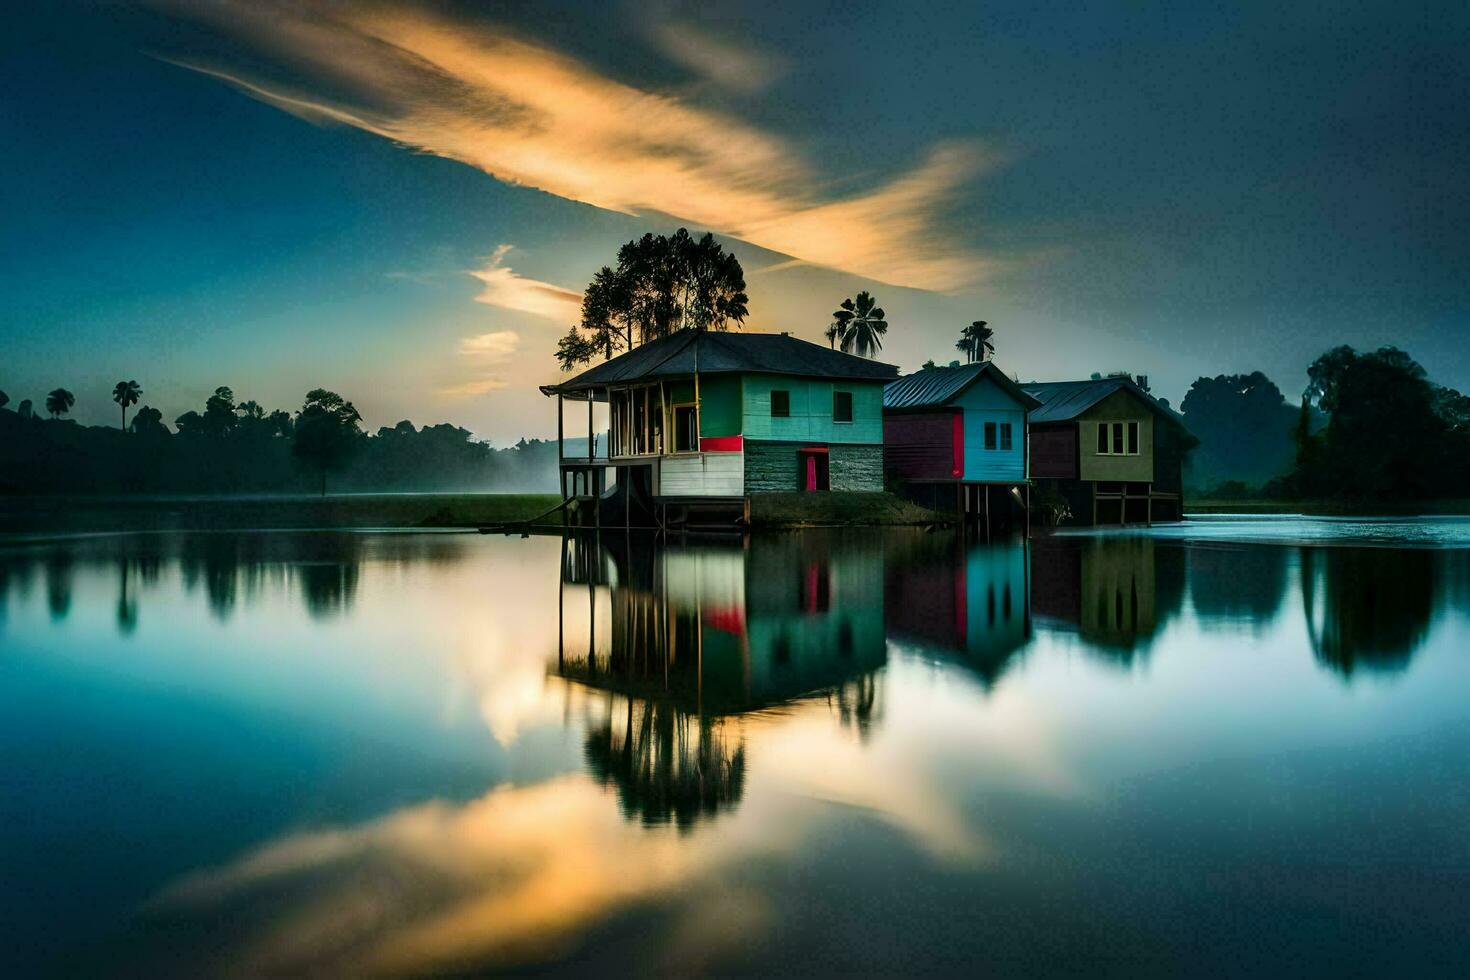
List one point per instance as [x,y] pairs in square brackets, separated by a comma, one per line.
[773,510]
[436,510]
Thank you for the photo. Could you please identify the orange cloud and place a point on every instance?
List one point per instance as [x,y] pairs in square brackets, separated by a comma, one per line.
[507,289]
[528,115]
[479,386]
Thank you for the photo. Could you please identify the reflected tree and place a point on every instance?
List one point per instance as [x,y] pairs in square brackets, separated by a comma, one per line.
[58,584]
[1367,608]
[1245,584]
[667,765]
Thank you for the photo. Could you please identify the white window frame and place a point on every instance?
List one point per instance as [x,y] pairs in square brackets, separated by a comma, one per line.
[1109,427]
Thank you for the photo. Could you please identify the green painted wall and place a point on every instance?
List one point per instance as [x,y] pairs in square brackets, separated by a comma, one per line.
[1120,406]
[811,410]
[719,405]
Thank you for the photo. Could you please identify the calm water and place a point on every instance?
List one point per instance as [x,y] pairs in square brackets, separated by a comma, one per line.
[1233,751]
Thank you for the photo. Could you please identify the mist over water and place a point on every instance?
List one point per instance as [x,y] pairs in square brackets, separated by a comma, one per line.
[1229,749]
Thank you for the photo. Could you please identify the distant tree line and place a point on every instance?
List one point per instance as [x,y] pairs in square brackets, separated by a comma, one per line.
[241,447]
[1369,427]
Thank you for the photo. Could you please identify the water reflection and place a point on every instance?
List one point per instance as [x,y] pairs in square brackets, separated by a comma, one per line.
[968,603]
[1116,593]
[692,637]
[1367,608]
[413,754]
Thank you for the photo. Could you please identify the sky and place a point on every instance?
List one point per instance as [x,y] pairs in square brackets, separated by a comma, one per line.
[402,202]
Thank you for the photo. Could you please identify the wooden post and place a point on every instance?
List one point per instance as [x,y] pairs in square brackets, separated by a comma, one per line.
[1028,516]
[987,512]
[561,477]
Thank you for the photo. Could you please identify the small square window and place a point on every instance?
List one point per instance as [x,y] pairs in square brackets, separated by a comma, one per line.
[1117,438]
[989,435]
[841,406]
[1005,435]
[780,404]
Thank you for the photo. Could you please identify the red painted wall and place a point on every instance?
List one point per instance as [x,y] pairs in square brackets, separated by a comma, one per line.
[924,446]
[1054,451]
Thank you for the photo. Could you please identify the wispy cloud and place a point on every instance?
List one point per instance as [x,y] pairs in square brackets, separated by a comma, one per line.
[512,291]
[480,386]
[532,116]
[484,350]
[730,65]
[491,347]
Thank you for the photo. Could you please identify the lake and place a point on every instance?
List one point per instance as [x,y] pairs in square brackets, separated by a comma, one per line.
[1230,747]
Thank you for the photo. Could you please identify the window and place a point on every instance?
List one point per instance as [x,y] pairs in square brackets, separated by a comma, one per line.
[989,435]
[780,404]
[686,429]
[841,406]
[1005,435]
[1118,438]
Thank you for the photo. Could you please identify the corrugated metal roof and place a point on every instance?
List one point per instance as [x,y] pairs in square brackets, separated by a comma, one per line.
[937,386]
[680,354]
[1063,401]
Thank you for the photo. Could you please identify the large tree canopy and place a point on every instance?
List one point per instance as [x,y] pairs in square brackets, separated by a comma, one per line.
[662,284]
[1244,426]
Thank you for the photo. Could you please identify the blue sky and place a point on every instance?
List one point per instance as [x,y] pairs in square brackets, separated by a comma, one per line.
[284,197]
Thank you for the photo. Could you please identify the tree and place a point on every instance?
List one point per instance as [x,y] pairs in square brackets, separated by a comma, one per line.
[219,413]
[328,433]
[860,325]
[975,342]
[4,399]
[126,393]
[1244,426]
[148,421]
[661,285]
[24,409]
[59,402]
[250,409]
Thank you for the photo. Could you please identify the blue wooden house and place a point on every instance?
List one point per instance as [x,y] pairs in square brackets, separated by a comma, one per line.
[954,439]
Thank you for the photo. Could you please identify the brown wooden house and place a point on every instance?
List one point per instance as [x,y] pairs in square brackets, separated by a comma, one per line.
[1114,452]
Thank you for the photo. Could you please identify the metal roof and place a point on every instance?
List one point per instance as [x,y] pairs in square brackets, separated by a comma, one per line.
[938,386]
[1063,401]
[680,355]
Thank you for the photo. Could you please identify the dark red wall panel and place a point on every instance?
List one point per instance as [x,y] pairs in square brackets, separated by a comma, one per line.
[922,446]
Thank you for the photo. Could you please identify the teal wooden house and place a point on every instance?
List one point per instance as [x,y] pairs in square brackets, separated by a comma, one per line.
[954,439]
[708,419]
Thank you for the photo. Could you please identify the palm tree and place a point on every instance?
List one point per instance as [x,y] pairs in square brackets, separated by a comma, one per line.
[834,332]
[860,326]
[126,393]
[975,342]
[59,402]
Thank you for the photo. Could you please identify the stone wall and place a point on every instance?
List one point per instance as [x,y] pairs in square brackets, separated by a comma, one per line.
[856,467]
[775,467]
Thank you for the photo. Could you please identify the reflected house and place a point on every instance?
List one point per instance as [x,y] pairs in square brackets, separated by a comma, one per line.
[700,421]
[1110,449]
[968,605]
[1367,608]
[955,440]
[1117,593]
[693,638]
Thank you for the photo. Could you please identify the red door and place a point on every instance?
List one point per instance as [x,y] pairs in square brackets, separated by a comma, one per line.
[811,471]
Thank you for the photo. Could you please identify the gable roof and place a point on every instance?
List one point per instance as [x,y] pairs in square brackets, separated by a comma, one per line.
[679,355]
[1064,401]
[938,386]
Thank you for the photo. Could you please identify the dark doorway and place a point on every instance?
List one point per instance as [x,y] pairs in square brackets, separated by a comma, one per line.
[814,474]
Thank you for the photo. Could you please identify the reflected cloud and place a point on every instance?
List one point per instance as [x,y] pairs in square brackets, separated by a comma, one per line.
[528,115]
[509,878]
